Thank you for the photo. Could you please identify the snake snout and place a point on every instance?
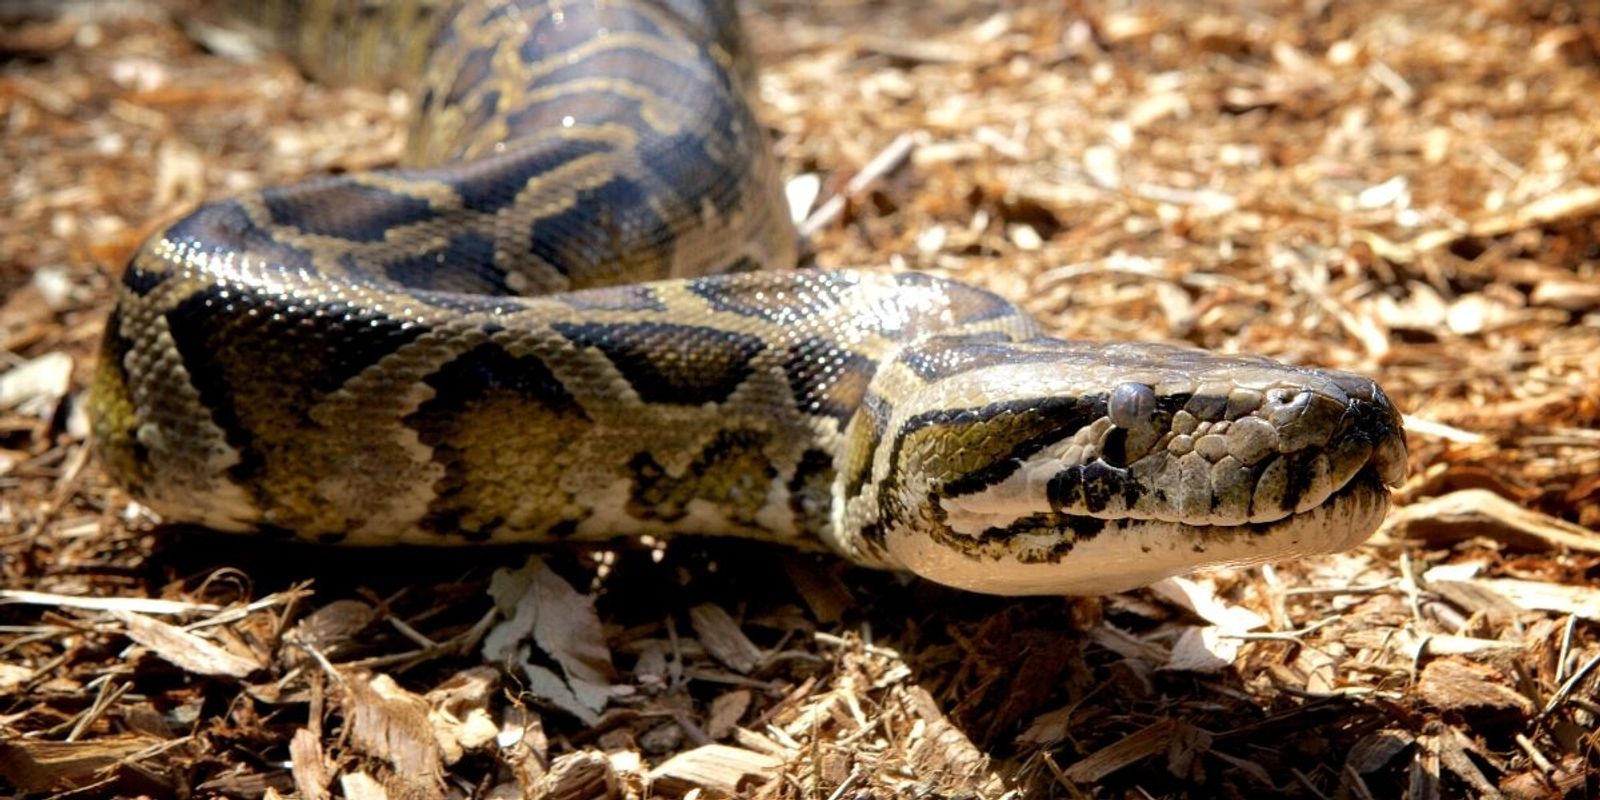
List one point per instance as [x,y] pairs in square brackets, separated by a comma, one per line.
[1346,417]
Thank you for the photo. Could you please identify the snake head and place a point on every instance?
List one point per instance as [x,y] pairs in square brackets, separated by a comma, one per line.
[1050,466]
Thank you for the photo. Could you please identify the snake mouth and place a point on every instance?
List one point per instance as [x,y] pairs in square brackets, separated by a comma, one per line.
[1058,483]
[1056,553]
[1317,529]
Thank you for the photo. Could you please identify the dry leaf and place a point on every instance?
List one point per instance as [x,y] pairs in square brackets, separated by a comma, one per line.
[542,610]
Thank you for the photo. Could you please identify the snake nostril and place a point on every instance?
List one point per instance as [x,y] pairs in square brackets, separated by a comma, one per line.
[1284,405]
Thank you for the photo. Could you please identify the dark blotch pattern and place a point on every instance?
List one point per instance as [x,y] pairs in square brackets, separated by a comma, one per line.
[732,473]
[672,364]
[1114,450]
[1081,528]
[828,378]
[486,368]
[466,264]
[1299,474]
[1094,485]
[811,491]
[481,378]
[341,208]
[602,226]
[490,184]
[142,282]
[1038,424]
[225,227]
[246,353]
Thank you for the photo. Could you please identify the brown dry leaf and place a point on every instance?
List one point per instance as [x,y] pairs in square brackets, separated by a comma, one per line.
[1375,750]
[1200,596]
[1396,188]
[542,610]
[1203,648]
[13,676]
[824,594]
[186,650]
[332,624]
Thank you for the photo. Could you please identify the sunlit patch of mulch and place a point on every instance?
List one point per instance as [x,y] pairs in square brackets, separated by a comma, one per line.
[1410,190]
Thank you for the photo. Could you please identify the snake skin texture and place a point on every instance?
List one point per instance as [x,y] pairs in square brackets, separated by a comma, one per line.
[572,314]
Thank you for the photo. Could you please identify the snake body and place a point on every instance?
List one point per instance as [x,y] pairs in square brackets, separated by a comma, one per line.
[572,314]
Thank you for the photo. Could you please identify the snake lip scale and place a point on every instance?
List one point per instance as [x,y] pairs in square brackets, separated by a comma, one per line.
[572,314]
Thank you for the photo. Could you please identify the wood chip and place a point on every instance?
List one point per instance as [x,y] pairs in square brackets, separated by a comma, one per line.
[35,387]
[1332,185]
[1450,684]
[578,776]
[1479,512]
[45,766]
[715,768]
[1580,601]
[309,767]
[1126,752]
[726,711]
[186,650]
[390,723]
[721,637]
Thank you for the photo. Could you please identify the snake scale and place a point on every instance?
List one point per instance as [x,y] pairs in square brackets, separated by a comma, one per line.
[573,314]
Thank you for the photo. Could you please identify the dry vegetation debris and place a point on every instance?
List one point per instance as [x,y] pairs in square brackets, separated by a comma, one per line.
[1407,189]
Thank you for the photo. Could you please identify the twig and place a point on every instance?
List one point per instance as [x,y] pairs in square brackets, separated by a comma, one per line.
[891,158]
[1566,688]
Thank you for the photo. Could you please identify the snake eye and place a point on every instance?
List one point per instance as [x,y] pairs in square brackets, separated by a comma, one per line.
[1131,405]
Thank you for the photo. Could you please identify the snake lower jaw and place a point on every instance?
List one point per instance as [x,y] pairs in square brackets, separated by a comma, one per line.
[1035,562]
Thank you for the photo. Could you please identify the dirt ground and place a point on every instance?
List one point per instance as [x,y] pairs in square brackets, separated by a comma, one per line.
[1406,189]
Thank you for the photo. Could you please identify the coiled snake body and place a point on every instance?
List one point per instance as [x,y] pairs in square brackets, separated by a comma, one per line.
[549,326]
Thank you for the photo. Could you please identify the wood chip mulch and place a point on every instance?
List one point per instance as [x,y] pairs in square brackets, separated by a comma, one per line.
[1406,189]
